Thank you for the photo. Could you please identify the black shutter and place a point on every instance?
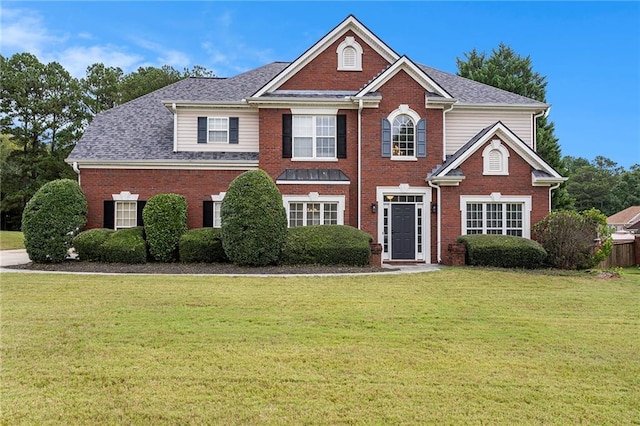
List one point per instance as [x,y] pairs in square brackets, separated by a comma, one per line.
[140,221]
[421,150]
[386,138]
[202,129]
[341,124]
[108,214]
[287,130]
[207,214]
[233,129]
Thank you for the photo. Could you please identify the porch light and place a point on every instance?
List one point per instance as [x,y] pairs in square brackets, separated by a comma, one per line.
[390,197]
[374,208]
[434,207]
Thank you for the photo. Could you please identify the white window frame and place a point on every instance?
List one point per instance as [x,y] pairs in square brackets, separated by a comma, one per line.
[217,205]
[313,198]
[415,117]
[490,168]
[314,137]
[125,197]
[497,198]
[210,129]
[349,43]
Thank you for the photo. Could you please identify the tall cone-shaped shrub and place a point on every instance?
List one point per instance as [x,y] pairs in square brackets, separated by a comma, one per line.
[254,221]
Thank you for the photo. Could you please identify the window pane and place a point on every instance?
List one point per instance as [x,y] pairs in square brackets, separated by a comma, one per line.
[218,136]
[126,214]
[218,129]
[296,214]
[302,126]
[403,136]
[313,214]
[474,218]
[330,214]
[217,222]
[303,147]
[494,218]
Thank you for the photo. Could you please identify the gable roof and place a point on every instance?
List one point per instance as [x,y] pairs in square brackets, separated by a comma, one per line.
[142,129]
[629,216]
[450,171]
[407,65]
[350,23]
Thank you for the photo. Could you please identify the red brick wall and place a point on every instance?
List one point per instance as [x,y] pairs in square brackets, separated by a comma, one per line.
[196,185]
[322,72]
[517,183]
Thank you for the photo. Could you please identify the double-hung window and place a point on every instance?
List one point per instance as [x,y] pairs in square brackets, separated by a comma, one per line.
[126,214]
[218,130]
[497,217]
[314,137]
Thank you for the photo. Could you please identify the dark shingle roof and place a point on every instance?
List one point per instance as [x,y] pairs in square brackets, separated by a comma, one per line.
[142,129]
[326,175]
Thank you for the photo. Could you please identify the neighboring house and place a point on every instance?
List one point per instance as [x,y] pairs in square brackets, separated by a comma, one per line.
[351,132]
[626,220]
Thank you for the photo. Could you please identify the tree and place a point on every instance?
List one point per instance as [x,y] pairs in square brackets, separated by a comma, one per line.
[507,70]
[101,87]
[146,80]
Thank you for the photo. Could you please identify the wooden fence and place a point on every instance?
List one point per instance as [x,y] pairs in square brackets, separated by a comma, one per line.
[623,254]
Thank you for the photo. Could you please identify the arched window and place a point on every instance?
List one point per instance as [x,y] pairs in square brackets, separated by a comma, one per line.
[403,137]
[495,159]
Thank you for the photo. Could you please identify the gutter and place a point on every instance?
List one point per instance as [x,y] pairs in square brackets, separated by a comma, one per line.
[545,114]
[438,218]
[360,107]
[175,127]
[76,169]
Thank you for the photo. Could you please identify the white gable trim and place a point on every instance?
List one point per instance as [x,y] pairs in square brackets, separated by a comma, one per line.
[407,65]
[351,23]
[513,142]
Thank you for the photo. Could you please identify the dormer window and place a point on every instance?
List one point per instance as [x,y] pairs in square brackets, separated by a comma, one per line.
[349,55]
[495,159]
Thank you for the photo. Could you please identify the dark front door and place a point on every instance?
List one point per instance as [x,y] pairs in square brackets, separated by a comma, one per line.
[403,231]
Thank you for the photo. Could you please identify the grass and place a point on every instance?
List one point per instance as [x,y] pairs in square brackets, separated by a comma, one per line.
[457,346]
[10,240]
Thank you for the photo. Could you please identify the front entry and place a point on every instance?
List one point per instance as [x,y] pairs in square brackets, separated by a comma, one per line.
[403,231]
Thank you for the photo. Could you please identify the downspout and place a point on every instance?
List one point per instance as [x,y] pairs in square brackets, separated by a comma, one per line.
[553,188]
[175,127]
[444,132]
[438,219]
[77,170]
[544,114]
[360,106]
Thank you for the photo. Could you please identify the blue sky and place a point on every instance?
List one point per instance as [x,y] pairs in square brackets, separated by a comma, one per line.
[588,51]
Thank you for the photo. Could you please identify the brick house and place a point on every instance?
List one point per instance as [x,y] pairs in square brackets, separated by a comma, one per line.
[351,132]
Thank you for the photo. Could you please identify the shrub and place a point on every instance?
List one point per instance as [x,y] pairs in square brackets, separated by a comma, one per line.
[125,246]
[165,220]
[56,212]
[503,251]
[202,245]
[327,245]
[254,222]
[574,240]
[88,243]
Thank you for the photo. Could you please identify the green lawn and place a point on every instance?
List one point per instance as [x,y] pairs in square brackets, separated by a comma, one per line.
[458,346]
[10,240]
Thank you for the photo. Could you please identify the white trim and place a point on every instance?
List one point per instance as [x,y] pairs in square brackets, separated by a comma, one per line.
[167,165]
[497,197]
[495,145]
[209,129]
[314,111]
[349,42]
[218,197]
[125,196]
[404,109]
[410,68]
[406,189]
[217,200]
[351,23]
[314,197]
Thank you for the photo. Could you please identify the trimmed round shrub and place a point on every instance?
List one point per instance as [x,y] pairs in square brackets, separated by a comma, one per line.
[574,240]
[165,220]
[503,251]
[125,246]
[202,245]
[327,245]
[254,221]
[88,244]
[53,216]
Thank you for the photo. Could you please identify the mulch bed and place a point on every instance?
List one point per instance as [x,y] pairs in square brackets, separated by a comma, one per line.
[193,268]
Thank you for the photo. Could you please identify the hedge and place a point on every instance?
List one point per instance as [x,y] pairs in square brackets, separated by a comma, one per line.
[503,251]
[254,221]
[125,246]
[327,245]
[88,244]
[165,220]
[50,220]
[202,245]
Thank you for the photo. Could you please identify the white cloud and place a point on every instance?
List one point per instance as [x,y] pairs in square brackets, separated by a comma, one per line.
[24,30]
[77,59]
[174,58]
